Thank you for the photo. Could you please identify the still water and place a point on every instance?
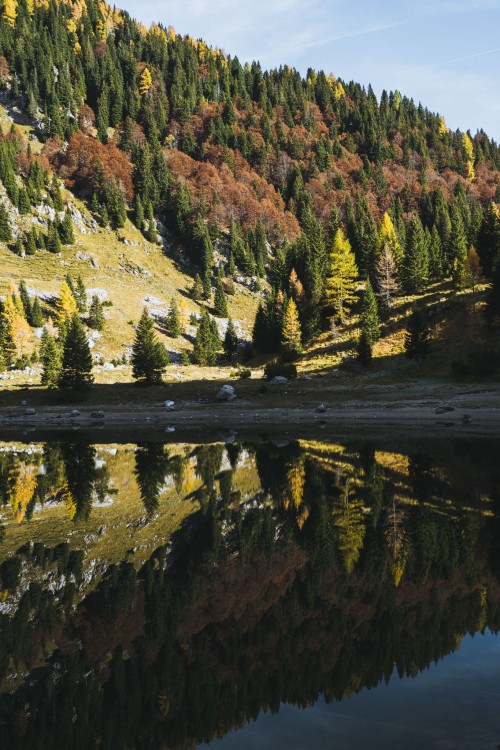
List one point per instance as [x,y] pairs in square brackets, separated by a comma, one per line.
[263,594]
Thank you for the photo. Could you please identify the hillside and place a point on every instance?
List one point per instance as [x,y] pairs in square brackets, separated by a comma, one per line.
[143,162]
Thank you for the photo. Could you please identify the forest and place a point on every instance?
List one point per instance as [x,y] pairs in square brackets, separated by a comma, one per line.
[328,199]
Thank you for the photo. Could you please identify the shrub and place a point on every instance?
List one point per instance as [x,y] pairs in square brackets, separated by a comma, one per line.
[277,367]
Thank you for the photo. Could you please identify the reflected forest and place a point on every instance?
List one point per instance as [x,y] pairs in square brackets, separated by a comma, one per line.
[161,595]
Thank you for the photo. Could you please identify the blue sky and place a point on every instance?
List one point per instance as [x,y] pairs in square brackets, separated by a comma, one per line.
[444,53]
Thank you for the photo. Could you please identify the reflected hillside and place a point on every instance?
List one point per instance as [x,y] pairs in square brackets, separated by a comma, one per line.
[161,595]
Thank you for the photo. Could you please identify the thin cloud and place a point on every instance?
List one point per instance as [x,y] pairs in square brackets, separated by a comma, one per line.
[350,35]
[464,57]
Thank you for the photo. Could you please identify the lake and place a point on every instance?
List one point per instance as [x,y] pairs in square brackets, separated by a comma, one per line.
[269,593]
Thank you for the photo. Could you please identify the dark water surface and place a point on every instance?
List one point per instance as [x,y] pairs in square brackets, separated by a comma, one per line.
[265,594]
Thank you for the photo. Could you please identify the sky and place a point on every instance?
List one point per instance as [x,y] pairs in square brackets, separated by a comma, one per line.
[443,53]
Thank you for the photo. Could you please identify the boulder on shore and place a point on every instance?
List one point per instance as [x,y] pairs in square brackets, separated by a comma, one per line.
[226,393]
[279,380]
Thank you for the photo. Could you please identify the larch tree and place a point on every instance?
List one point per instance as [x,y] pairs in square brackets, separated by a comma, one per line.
[341,280]
[386,276]
[66,306]
[291,334]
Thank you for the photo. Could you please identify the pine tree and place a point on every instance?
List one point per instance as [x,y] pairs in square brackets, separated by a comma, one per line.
[386,277]
[76,371]
[66,233]
[5,230]
[417,335]
[415,264]
[342,276]
[230,343]
[291,335]
[370,322]
[220,300]
[173,325]
[149,356]
[95,318]
[50,356]
[207,342]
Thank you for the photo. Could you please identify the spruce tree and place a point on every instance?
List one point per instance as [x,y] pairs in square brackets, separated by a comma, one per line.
[5,230]
[76,372]
[370,322]
[173,325]
[26,302]
[197,289]
[30,247]
[36,314]
[50,357]
[220,300]
[364,348]
[138,213]
[415,264]
[493,305]
[95,318]
[417,335]
[23,202]
[457,248]
[230,343]
[149,356]
[80,295]
[66,233]
[53,240]
[207,342]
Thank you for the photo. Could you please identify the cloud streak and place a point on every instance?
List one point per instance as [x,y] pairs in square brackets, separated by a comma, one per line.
[463,57]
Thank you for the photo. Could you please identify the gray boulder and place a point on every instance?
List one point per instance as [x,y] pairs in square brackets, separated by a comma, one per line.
[226,393]
[169,405]
[279,380]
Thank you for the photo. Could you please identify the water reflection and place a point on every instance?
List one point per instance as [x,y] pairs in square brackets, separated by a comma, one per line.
[162,595]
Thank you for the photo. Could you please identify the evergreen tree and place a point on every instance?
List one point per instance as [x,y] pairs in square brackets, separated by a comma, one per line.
[95,318]
[230,343]
[23,202]
[197,290]
[415,264]
[342,276]
[207,342]
[76,372]
[220,300]
[50,357]
[149,356]
[30,248]
[417,335]
[53,240]
[26,302]
[173,325]
[138,213]
[364,348]
[493,305]
[291,335]
[5,230]
[457,248]
[370,322]
[66,233]
[36,314]
[80,295]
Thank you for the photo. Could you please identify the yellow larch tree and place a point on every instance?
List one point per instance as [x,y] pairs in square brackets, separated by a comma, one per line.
[21,487]
[341,281]
[10,11]
[387,237]
[468,149]
[66,304]
[145,82]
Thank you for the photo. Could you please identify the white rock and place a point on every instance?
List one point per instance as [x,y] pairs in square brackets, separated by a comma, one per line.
[226,393]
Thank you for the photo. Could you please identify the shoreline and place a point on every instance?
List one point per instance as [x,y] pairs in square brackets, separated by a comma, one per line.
[471,413]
